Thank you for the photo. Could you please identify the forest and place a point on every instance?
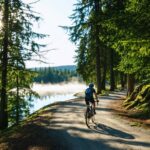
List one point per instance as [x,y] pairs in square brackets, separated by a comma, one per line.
[113,47]
[56,74]
[113,39]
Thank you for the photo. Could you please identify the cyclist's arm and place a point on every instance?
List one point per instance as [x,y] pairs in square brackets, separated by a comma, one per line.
[96,97]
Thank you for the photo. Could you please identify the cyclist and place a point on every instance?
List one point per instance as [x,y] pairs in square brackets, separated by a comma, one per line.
[89,92]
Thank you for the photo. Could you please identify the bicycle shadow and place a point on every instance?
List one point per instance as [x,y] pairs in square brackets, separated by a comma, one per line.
[107,130]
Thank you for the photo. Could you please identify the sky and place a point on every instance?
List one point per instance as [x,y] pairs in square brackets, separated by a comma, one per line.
[54,13]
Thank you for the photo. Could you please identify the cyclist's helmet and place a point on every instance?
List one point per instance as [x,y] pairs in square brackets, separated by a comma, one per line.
[91,85]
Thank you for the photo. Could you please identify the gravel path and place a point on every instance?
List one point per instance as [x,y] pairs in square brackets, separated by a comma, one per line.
[62,127]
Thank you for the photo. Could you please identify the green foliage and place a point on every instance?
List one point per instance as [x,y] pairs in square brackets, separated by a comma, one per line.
[55,75]
[83,34]
[134,47]
[20,94]
[135,58]
[123,28]
[22,46]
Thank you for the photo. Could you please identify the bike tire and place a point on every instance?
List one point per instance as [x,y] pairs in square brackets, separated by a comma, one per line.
[87,119]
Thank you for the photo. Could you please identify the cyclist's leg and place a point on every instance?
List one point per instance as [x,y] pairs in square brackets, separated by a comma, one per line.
[87,101]
[93,103]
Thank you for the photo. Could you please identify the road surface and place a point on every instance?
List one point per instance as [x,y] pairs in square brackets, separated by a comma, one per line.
[62,127]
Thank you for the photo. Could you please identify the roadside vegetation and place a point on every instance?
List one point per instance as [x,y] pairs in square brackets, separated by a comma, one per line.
[139,101]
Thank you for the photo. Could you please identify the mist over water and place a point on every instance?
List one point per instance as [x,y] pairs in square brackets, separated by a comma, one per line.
[50,93]
[62,88]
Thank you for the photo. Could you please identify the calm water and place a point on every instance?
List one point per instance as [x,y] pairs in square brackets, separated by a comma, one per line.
[50,93]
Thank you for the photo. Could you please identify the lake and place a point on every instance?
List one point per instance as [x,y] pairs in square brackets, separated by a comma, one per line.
[50,93]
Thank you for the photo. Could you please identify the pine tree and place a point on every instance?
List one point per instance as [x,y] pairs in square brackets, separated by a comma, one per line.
[18,46]
[4,65]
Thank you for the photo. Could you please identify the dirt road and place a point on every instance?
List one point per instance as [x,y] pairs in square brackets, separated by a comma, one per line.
[62,127]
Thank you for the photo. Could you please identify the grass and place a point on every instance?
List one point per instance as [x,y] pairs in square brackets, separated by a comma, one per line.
[137,124]
[105,93]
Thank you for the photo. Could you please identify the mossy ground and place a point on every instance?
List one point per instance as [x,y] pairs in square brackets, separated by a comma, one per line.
[139,101]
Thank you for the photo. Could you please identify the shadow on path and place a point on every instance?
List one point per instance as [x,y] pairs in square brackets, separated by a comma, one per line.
[41,138]
[104,129]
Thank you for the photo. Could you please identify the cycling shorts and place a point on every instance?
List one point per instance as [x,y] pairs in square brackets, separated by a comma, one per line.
[87,101]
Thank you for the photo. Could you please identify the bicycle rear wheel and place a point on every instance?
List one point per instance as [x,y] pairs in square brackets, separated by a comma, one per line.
[87,118]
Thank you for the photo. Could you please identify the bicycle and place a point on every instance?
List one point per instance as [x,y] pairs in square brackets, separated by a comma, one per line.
[89,114]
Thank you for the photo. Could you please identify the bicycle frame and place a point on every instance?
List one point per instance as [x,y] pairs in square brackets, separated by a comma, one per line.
[89,114]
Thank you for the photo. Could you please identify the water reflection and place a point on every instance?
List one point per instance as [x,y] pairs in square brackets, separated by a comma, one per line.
[50,93]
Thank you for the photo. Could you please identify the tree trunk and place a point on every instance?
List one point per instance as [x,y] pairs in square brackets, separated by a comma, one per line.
[130,84]
[104,71]
[122,80]
[98,61]
[3,102]
[112,78]
[17,101]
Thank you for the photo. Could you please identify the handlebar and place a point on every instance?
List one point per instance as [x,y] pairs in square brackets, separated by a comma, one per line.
[97,101]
